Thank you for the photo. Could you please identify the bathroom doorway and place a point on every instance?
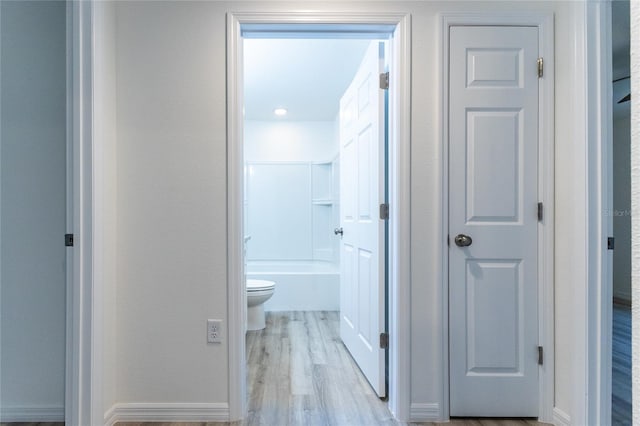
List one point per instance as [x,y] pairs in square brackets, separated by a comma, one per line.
[315,161]
[294,188]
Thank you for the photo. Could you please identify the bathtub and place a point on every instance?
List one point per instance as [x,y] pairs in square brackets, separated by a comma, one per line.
[300,285]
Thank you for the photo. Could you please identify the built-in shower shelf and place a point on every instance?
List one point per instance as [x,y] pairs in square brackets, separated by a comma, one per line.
[322,202]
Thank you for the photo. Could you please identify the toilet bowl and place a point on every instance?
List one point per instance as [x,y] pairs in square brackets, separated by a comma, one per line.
[258,292]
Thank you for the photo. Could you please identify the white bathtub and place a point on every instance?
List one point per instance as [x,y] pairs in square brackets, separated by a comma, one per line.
[300,285]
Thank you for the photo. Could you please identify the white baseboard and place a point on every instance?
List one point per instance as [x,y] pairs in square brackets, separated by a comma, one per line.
[425,412]
[169,412]
[33,414]
[560,418]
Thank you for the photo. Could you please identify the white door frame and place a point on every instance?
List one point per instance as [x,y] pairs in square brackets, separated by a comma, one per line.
[83,387]
[593,104]
[544,22]
[399,196]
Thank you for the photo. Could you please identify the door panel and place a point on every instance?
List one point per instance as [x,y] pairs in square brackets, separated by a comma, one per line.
[494,193]
[493,152]
[362,297]
[488,281]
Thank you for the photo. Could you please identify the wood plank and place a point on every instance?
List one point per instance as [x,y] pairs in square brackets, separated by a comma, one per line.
[326,387]
[621,366]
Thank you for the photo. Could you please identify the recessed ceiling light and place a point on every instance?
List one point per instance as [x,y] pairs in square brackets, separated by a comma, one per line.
[280,111]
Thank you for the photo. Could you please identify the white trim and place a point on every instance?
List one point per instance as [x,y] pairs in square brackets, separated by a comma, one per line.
[37,413]
[603,287]
[425,412]
[546,230]
[167,412]
[237,306]
[545,24]
[399,243]
[593,124]
[82,389]
[560,418]
[110,418]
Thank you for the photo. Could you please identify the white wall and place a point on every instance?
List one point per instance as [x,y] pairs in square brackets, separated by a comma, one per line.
[622,208]
[290,140]
[106,177]
[279,215]
[171,153]
[33,214]
[171,189]
[279,212]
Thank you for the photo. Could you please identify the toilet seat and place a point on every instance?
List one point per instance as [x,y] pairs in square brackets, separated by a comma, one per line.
[260,285]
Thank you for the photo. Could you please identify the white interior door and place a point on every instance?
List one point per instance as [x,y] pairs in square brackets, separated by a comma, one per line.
[362,296]
[493,166]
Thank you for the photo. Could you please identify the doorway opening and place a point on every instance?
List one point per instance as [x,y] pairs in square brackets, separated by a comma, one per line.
[293,177]
[620,216]
[314,157]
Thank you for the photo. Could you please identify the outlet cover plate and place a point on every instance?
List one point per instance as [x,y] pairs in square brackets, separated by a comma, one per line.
[214,331]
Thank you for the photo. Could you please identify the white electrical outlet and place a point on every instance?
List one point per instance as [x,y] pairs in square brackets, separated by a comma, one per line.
[214,331]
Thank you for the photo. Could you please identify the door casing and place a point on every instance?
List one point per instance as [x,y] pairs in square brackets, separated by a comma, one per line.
[544,22]
[399,190]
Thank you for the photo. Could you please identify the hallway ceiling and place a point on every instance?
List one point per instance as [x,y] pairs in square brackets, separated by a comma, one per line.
[307,77]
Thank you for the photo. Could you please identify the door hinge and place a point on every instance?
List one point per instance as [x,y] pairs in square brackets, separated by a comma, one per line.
[540,355]
[384,340]
[540,67]
[611,243]
[384,80]
[68,240]
[384,211]
[540,211]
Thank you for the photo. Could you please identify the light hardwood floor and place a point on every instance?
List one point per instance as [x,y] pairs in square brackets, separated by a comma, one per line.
[299,373]
[621,374]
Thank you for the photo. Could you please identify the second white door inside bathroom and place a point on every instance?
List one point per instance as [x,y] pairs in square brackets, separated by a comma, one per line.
[315,176]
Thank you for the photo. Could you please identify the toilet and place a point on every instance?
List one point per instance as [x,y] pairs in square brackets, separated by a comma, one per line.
[258,292]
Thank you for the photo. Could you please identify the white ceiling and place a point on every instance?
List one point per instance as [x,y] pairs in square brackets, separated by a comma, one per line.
[307,77]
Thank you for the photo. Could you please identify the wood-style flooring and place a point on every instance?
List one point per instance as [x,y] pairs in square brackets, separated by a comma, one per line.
[300,373]
[621,374]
